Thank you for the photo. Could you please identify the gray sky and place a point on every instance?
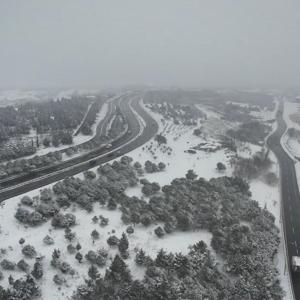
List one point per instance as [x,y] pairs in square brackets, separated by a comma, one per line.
[82,43]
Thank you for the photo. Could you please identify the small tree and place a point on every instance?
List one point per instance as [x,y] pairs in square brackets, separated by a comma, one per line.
[161,166]
[23,265]
[71,249]
[69,235]
[221,166]
[29,251]
[191,175]
[37,271]
[111,205]
[55,258]
[79,257]
[140,257]
[130,230]
[93,272]
[78,247]
[95,235]
[123,244]
[95,219]
[113,241]
[159,232]
[21,241]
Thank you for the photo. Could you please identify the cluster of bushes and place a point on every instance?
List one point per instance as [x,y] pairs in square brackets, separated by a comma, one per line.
[151,167]
[59,137]
[112,180]
[178,113]
[253,167]
[149,188]
[55,115]
[163,147]
[86,127]
[13,151]
[161,139]
[218,205]
[253,132]
[25,289]
[118,125]
[12,122]
[29,165]
[43,116]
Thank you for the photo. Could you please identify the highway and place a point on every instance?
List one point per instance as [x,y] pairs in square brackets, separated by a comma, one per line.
[136,135]
[290,198]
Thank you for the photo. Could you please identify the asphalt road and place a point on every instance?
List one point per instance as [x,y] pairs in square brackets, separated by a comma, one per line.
[290,198]
[135,136]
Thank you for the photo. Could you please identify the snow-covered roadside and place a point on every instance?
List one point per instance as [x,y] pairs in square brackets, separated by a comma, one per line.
[83,119]
[270,197]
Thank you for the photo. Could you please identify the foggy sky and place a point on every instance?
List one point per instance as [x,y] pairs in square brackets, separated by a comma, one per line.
[82,43]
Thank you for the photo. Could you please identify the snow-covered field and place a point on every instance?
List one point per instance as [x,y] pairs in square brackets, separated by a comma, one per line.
[180,138]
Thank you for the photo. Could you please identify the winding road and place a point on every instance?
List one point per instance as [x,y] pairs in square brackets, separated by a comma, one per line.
[141,128]
[290,198]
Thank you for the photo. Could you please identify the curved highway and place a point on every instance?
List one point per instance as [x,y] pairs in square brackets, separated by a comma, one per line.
[136,135]
[290,198]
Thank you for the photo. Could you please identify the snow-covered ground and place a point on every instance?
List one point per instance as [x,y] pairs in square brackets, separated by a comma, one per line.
[180,138]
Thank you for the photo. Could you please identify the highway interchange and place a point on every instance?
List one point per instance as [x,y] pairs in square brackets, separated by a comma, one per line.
[141,128]
[290,198]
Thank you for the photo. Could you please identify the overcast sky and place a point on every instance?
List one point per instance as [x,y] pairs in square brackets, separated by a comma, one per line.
[81,43]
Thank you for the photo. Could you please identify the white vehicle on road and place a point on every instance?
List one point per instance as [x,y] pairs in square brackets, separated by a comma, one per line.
[296,263]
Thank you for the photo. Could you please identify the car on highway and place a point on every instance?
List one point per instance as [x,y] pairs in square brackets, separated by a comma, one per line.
[93,162]
[296,263]
[108,146]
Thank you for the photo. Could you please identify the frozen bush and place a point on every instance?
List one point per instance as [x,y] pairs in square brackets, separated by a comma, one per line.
[130,230]
[113,241]
[95,234]
[23,265]
[58,279]
[26,200]
[48,209]
[71,249]
[159,232]
[7,265]
[63,221]
[161,166]
[103,221]
[29,251]
[91,256]
[48,240]
[65,268]
[37,271]
[90,175]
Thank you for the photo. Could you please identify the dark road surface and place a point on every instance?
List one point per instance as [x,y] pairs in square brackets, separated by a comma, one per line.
[290,198]
[134,137]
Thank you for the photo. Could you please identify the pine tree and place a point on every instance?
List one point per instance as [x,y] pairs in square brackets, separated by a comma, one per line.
[95,234]
[93,272]
[123,244]
[140,257]
[118,271]
[37,271]
[79,257]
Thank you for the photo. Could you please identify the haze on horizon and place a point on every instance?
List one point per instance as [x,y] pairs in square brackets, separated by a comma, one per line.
[172,42]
